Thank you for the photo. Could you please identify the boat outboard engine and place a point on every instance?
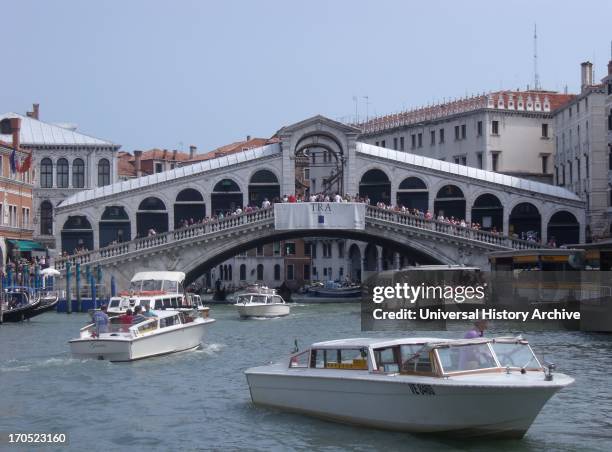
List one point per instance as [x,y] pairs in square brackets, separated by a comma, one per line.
[548,376]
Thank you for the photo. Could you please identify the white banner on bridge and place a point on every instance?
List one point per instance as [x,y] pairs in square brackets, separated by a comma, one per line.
[319,215]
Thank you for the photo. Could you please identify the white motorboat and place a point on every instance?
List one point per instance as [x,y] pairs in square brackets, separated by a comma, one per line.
[158,290]
[261,303]
[170,332]
[469,387]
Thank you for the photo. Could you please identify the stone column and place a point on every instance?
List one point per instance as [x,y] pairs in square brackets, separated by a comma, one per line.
[379,258]
[397,263]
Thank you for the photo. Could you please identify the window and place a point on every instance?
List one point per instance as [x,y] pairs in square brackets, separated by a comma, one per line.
[62,173]
[420,140]
[464,160]
[544,164]
[456,132]
[495,161]
[306,271]
[562,174]
[290,272]
[78,173]
[1,168]
[306,173]
[413,140]
[260,250]
[377,143]
[557,174]
[466,357]
[25,217]
[383,143]
[260,272]
[46,173]
[314,156]
[571,175]
[327,250]
[103,173]
[242,272]
[495,127]
[313,250]
[456,159]
[277,272]
[395,143]
[479,128]
[46,218]
[289,249]
[307,249]
[463,131]
[341,250]
[479,159]
[158,167]
[401,143]
[441,136]
[432,139]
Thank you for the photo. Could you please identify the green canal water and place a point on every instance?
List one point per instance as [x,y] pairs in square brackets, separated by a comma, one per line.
[200,400]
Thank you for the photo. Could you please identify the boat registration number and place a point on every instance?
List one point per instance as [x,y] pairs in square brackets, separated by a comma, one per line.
[420,389]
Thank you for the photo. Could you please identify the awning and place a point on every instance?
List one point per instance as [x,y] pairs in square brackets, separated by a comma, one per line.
[27,245]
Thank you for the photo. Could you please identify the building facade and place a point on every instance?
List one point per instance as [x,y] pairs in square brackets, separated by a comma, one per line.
[507,131]
[65,162]
[607,81]
[582,161]
[16,194]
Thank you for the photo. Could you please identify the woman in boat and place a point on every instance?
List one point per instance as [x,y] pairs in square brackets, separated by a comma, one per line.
[126,320]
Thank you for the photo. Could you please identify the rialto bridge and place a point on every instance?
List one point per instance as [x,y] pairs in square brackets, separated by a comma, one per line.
[318,155]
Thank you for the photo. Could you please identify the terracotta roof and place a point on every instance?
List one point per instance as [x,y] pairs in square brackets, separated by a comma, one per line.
[232,148]
[162,154]
[529,101]
[125,168]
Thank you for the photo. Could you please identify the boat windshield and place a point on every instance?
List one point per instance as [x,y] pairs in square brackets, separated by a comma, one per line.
[462,358]
[135,286]
[259,299]
[516,354]
[151,284]
[171,286]
[244,299]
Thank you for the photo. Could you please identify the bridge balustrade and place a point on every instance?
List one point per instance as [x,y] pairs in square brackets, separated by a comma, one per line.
[375,213]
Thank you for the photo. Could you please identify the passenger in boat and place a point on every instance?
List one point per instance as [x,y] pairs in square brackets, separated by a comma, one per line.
[138,317]
[148,313]
[126,320]
[478,331]
[100,319]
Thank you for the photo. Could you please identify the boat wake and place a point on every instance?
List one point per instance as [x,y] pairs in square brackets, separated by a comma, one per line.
[210,349]
[15,365]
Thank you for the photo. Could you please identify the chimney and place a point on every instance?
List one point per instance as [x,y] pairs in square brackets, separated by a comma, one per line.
[137,163]
[165,154]
[610,67]
[174,155]
[35,110]
[192,151]
[15,129]
[586,75]
[248,138]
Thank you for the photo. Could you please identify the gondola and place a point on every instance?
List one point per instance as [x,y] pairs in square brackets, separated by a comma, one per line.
[48,302]
[19,303]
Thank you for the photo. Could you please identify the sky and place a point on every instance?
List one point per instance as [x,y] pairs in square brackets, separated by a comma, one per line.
[170,74]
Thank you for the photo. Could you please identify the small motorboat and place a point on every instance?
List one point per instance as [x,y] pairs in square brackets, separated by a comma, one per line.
[169,332]
[466,387]
[264,303]
[158,290]
[331,289]
[20,303]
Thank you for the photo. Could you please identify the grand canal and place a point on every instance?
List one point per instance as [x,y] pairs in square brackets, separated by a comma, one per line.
[200,400]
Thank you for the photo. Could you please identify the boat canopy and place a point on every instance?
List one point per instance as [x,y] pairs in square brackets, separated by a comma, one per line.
[159,275]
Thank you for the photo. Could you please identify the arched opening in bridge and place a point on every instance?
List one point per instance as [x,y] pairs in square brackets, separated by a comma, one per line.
[46,218]
[263,185]
[450,202]
[563,228]
[370,263]
[77,235]
[375,185]
[114,226]
[189,207]
[412,194]
[525,222]
[226,197]
[319,165]
[151,216]
[488,212]
[355,263]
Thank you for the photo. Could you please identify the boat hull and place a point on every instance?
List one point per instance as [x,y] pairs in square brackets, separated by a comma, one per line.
[118,349]
[263,310]
[399,405]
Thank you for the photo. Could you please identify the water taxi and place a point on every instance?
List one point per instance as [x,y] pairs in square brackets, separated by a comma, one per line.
[467,387]
[169,332]
[158,290]
[262,302]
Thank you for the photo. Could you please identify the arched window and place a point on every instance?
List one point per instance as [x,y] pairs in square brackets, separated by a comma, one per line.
[277,272]
[62,173]
[46,218]
[260,272]
[242,272]
[46,173]
[152,203]
[78,173]
[103,173]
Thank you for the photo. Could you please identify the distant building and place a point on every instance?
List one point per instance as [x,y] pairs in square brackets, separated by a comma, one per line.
[65,162]
[508,132]
[607,81]
[16,194]
[582,157]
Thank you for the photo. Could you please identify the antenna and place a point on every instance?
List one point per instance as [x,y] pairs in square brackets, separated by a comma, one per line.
[536,76]
[367,102]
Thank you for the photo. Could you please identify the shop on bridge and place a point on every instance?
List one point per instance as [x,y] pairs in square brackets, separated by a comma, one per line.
[375,185]
[263,185]
[151,215]
[525,221]
[488,212]
[450,202]
[115,226]
[412,193]
[189,206]
[77,235]
[226,197]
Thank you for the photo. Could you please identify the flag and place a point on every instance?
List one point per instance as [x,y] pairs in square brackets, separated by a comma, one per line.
[25,166]
[13,161]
